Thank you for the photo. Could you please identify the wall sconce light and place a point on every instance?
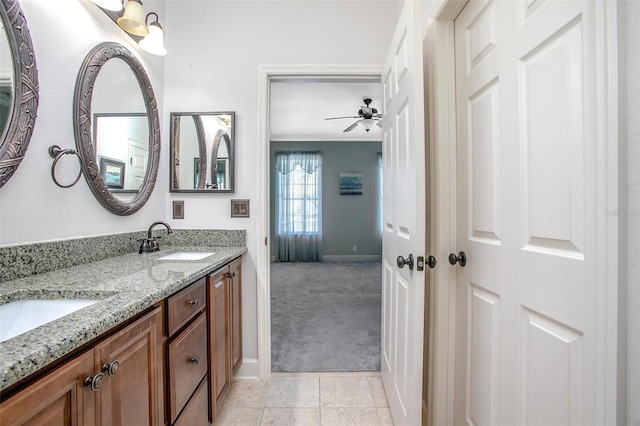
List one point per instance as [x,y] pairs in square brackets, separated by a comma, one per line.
[134,22]
[154,41]
[113,5]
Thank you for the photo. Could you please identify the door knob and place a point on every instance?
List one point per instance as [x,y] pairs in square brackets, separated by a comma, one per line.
[460,259]
[401,261]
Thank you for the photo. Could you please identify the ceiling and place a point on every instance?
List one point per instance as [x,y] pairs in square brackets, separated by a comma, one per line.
[298,109]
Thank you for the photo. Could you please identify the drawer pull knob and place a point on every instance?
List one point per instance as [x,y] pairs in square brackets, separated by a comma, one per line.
[111,368]
[195,360]
[194,302]
[94,382]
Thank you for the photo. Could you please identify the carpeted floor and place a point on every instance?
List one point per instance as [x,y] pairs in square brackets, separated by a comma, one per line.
[325,316]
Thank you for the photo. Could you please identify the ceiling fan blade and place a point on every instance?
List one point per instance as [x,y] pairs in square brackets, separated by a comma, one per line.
[339,118]
[353,126]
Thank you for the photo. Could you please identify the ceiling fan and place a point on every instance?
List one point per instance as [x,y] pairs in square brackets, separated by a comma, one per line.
[368,116]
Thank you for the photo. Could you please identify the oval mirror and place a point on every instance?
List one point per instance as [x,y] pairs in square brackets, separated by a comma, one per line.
[202,152]
[18,88]
[117,128]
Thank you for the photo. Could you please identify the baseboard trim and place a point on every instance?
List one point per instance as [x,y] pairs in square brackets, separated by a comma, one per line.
[352,258]
[248,369]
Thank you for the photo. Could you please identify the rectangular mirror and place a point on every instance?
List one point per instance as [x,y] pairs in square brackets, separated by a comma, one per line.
[202,151]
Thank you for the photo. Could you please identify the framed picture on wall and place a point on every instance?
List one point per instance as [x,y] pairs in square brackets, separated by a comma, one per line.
[112,172]
[350,183]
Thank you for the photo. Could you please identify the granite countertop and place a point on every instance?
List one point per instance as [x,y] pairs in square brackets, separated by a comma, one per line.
[126,285]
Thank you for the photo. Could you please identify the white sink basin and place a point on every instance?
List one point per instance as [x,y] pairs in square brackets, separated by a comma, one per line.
[187,255]
[23,315]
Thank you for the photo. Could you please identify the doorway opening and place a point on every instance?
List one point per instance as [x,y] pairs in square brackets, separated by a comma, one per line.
[325,314]
[288,78]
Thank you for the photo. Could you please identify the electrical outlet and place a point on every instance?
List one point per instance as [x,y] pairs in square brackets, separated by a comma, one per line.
[178,209]
[355,248]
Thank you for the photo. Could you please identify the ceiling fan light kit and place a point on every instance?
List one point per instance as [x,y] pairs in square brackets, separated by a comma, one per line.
[368,117]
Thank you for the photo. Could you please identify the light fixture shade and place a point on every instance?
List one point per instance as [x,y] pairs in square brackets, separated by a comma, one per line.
[133,19]
[114,5]
[154,41]
[367,123]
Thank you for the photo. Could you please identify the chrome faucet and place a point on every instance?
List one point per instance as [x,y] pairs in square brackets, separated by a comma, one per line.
[150,243]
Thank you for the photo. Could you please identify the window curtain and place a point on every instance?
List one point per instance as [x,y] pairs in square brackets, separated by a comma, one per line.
[298,206]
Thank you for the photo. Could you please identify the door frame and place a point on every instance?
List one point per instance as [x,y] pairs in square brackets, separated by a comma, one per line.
[266,74]
[441,135]
[439,50]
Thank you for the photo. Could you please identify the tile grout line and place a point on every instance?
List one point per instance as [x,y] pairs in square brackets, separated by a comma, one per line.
[319,401]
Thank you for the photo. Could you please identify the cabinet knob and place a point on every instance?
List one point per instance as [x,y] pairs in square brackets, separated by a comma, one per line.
[111,368]
[194,302]
[195,360]
[94,382]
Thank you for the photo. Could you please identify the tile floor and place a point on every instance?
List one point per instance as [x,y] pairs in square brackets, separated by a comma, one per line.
[326,399]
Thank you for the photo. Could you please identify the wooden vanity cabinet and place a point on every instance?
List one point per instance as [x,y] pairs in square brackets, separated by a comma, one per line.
[127,383]
[219,348]
[225,330]
[131,361]
[235,304]
[193,412]
[172,364]
[186,354]
[59,398]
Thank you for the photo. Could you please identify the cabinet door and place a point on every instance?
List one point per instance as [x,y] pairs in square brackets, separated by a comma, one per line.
[131,394]
[220,358]
[59,398]
[235,305]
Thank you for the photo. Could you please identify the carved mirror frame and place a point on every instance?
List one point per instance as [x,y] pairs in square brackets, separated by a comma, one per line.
[85,145]
[19,128]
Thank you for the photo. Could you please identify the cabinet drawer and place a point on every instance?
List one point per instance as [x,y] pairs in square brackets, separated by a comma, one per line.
[196,412]
[187,364]
[183,306]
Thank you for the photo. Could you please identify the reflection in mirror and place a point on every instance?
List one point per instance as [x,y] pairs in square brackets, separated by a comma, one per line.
[122,139]
[120,129]
[18,88]
[6,79]
[202,147]
[118,133]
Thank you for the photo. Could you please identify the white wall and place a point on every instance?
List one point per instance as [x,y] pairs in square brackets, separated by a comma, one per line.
[215,48]
[629,213]
[32,207]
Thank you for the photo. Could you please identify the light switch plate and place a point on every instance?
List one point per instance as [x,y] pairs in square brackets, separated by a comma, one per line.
[239,208]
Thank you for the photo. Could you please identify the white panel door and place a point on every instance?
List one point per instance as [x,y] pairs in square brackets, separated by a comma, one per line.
[404,220]
[527,336]
[138,159]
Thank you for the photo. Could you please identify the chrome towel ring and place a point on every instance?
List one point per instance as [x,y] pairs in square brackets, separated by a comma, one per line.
[56,153]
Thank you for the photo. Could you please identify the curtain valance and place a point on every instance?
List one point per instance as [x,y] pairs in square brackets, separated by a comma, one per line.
[287,161]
